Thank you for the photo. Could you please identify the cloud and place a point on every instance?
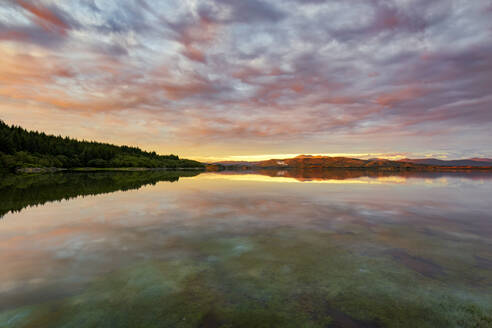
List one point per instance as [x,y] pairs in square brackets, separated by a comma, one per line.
[252,11]
[194,36]
[48,25]
[273,73]
[49,19]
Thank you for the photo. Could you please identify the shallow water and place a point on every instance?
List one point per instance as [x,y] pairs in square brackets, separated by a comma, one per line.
[246,249]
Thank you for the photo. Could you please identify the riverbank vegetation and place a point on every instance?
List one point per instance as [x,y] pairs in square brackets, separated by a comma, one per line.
[20,148]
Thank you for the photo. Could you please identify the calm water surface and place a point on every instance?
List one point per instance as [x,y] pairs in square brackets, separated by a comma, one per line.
[251,249]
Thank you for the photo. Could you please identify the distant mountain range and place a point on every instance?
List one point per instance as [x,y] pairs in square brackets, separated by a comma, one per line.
[460,162]
[309,161]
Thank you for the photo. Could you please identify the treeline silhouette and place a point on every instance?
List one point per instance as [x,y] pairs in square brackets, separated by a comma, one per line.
[20,191]
[22,148]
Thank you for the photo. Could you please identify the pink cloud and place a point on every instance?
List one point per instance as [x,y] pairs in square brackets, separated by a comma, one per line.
[44,17]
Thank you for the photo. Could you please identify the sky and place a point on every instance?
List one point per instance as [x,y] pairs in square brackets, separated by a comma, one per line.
[253,79]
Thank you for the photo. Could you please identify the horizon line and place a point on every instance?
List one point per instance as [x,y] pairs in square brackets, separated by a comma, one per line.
[389,156]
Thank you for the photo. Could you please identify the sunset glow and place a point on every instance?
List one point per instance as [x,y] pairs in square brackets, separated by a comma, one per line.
[252,80]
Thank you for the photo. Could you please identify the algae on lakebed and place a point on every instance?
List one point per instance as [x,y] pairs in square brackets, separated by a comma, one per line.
[263,278]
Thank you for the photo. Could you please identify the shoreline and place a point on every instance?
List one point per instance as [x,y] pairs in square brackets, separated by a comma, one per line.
[32,170]
[37,170]
[217,168]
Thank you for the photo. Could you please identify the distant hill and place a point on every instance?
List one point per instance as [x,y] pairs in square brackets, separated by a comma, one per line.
[309,162]
[461,162]
[20,148]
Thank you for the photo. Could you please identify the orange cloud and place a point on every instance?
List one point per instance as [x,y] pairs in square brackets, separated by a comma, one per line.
[24,69]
